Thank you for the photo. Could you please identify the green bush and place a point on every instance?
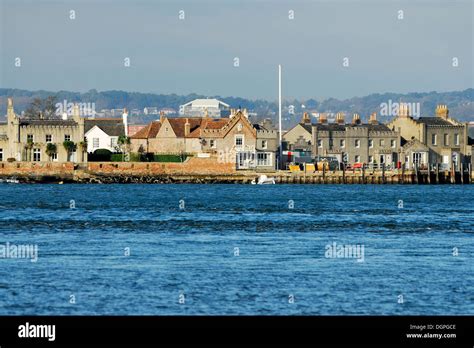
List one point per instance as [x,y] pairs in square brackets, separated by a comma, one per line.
[169,158]
[100,155]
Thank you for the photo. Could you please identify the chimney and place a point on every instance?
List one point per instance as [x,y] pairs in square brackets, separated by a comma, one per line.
[340,118]
[187,128]
[442,111]
[404,110]
[162,117]
[246,113]
[323,119]
[76,113]
[10,111]
[125,121]
[356,119]
[373,118]
[306,119]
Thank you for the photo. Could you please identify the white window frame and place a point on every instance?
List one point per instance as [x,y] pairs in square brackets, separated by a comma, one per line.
[446,139]
[54,157]
[357,143]
[67,137]
[50,138]
[371,143]
[357,159]
[36,152]
[456,139]
[239,136]
[264,159]
[1,155]
[342,143]
[95,143]
[264,144]
[393,143]
[320,143]
[382,142]
[212,143]
[434,139]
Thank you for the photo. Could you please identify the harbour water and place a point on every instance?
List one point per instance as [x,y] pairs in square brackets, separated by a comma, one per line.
[237,249]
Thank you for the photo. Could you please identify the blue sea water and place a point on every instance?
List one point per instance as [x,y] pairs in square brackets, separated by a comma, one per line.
[237,249]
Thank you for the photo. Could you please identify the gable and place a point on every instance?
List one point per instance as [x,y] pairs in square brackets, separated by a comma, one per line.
[96,131]
[166,131]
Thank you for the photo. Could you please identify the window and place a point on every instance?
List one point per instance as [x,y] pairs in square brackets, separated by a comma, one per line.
[382,142]
[95,143]
[239,141]
[320,143]
[67,137]
[371,159]
[1,155]
[393,143]
[264,159]
[357,158]
[357,143]
[446,139]
[456,139]
[49,138]
[331,143]
[212,143]
[371,143]
[264,144]
[434,139]
[113,142]
[342,143]
[29,138]
[54,157]
[36,155]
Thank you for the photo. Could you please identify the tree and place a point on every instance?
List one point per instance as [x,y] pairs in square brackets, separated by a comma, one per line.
[124,144]
[83,147]
[42,107]
[28,146]
[70,146]
[51,149]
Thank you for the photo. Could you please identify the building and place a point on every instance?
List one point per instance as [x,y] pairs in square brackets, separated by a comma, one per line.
[370,143]
[29,139]
[232,139]
[103,133]
[444,139]
[201,107]
[349,143]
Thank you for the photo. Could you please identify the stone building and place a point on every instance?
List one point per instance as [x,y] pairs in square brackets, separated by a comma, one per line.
[371,143]
[445,139]
[231,139]
[350,143]
[27,139]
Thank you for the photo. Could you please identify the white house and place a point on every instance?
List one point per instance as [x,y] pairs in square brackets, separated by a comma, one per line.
[103,133]
[203,107]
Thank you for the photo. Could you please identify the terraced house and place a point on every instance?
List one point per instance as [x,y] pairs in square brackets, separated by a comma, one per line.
[349,143]
[229,139]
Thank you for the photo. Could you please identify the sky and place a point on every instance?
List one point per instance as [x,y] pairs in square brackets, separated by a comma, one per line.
[199,54]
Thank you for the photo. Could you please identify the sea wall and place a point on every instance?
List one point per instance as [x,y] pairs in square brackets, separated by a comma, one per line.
[209,170]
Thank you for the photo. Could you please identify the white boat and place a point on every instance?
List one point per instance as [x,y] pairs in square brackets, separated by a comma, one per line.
[263,180]
[10,181]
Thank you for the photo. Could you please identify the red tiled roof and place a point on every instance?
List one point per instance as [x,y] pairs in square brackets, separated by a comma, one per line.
[149,131]
[178,126]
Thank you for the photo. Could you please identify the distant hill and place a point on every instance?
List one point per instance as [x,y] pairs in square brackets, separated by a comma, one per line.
[460,103]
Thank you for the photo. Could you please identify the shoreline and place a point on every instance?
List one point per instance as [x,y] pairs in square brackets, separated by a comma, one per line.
[204,171]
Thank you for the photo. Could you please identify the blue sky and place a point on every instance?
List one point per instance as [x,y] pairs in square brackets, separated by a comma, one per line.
[169,55]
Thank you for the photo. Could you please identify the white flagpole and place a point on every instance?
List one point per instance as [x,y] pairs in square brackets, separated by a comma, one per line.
[279,114]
